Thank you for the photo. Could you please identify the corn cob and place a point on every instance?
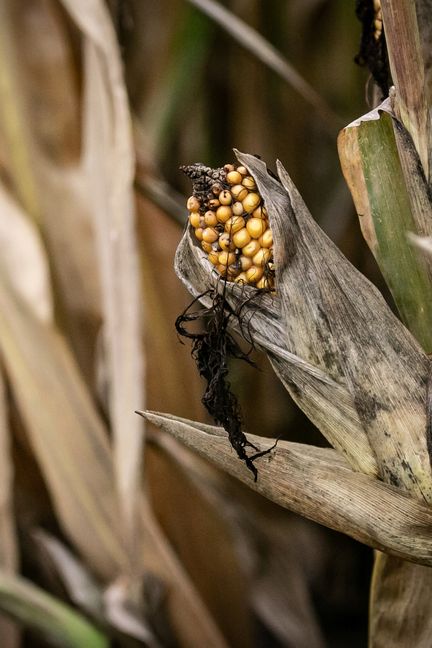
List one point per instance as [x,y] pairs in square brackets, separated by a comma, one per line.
[231,223]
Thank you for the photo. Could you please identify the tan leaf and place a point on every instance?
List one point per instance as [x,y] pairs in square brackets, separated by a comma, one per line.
[320,485]
[67,435]
[109,166]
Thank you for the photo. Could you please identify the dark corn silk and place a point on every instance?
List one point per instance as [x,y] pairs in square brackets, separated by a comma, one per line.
[231,223]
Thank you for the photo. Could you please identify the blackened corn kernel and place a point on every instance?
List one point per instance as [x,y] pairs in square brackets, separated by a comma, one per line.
[230,221]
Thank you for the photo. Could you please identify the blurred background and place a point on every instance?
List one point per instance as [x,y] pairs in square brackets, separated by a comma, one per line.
[140,541]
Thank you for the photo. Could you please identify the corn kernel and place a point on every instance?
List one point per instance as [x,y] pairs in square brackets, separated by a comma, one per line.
[262,257]
[266,240]
[226,258]
[234,224]
[265,283]
[234,178]
[210,218]
[195,219]
[223,213]
[239,192]
[207,247]
[251,248]
[241,238]
[251,202]
[241,278]
[225,197]
[213,257]
[256,227]
[242,170]
[213,203]
[199,233]
[193,204]
[226,243]
[254,274]
[245,263]
[258,212]
[249,183]
[237,209]
[210,235]
[216,189]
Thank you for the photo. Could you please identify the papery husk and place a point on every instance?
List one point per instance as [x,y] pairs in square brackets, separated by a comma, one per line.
[319,484]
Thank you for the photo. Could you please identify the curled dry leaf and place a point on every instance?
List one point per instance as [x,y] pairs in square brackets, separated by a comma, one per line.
[320,485]
[344,357]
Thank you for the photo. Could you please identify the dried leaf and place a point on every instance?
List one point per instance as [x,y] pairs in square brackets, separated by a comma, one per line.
[318,484]
[109,165]
[65,431]
[400,604]
[9,632]
[23,257]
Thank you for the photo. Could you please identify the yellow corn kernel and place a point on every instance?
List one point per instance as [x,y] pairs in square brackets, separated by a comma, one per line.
[249,183]
[223,213]
[262,257]
[254,274]
[251,249]
[195,219]
[239,192]
[193,204]
[210,235]
[245,263]
[226,243]
[234,178]
[225,197]
[251,202]
[226,258]
[266,240]
[210,218]
[241,238]
[234,224]
[256,227]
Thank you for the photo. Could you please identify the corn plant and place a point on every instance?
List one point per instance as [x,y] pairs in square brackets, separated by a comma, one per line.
[360,373]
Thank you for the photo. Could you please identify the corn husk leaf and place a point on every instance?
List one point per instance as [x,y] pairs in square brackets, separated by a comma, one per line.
[54,620]
[392,198]
[336,418]
[320,485]
[74,456]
